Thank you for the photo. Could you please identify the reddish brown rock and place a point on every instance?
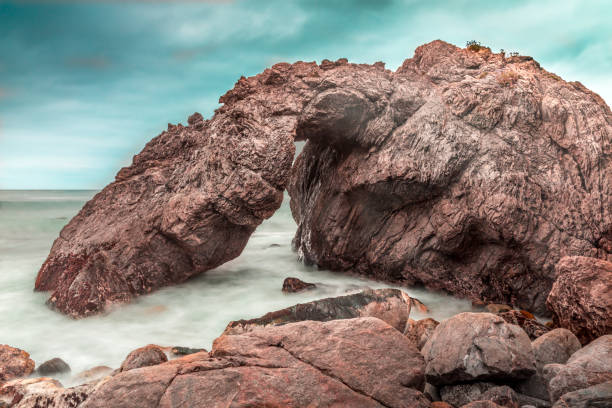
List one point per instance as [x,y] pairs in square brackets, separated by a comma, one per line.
[597,396]
[419,331]
[439,174]
[293,285]
[525,321]
[472,347]
[591,365]
[14,363]
[481,404]
[581,298]
[390,305]
[360,362]
[143,357]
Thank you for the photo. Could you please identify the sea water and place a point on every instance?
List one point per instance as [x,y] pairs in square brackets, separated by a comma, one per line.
[191,314]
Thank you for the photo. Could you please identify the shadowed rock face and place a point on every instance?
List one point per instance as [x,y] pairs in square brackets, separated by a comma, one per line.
[463,171]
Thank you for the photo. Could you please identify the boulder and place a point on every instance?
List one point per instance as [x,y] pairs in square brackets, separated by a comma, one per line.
[183,351]
[441,173]
[41,392]
[419,331]
[53,366]
[481,404]
[93,374]
[526,321]
[497,308]
[461,394]
[591,365]
[501,395]
[444,174]
[360,362]
[293,285]
[144,357]
[390,305]
[14,363]
[477,347]
[581,297]
[596,396]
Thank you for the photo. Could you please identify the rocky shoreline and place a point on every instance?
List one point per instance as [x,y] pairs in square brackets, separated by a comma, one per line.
[360,350]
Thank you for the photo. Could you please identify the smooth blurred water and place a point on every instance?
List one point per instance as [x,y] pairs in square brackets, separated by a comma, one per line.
[191,314]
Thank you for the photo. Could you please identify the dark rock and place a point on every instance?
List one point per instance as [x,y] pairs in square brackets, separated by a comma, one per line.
[431,392]
[419,176]
[527,400]
[293,285]
[418,332]
[501,395]
[390,305]
[477,347]
[591,365]
[53,366]
[14,363]
[581,298]
[461,394]
[526,321]
[597,396]
[144,357]
[184,351]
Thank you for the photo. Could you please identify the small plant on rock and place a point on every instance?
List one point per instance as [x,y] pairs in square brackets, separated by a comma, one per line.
[507,78]
[474,46]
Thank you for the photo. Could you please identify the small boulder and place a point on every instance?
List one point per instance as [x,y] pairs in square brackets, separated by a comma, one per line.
[440,404]
[591,365]
[419,331]
[556,346]
[14,363]
[294,285]
[143,357]
[597,396]
[53,366]
[501,395]
[473,347]
[581,297]
[184,351]
[92,374]
[496,308]
[525,321]
[390,305]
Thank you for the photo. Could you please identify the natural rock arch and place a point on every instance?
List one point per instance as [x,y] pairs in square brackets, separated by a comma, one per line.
[464,171]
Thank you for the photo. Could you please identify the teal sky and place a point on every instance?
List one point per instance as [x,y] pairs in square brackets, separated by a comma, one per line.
[84,85]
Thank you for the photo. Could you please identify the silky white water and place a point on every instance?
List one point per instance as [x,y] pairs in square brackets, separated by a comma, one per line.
[192,314]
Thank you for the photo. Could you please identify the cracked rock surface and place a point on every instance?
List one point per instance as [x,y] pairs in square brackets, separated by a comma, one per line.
[463,171]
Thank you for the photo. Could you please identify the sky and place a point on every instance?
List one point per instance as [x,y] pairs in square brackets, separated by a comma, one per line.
[84,85]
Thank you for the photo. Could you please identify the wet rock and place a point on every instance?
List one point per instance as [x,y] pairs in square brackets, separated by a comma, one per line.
[14,363]
[390,305]
[423,175]
[144,357]
[597,396]
[581,298]
[526,321]
[497,308]
[293,285]
[419,331]
[591,365]
[53,366]
[93,374]
[183,351]
[477,347]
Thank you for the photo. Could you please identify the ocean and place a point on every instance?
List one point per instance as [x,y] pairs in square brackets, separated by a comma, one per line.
[191,314]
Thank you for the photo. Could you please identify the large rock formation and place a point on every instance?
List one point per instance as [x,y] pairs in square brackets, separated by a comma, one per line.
[581,297]
[463,170]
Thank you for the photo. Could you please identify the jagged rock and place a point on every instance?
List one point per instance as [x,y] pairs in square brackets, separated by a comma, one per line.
[144,357]
[419,331]
[53,366]
[445,174]
[597,396]
[442,173]
[14,363]
[591,365]
[360,362]
[477,347]
[532,327]
[581,298]
[42,392]
[293,285]
[390,305]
